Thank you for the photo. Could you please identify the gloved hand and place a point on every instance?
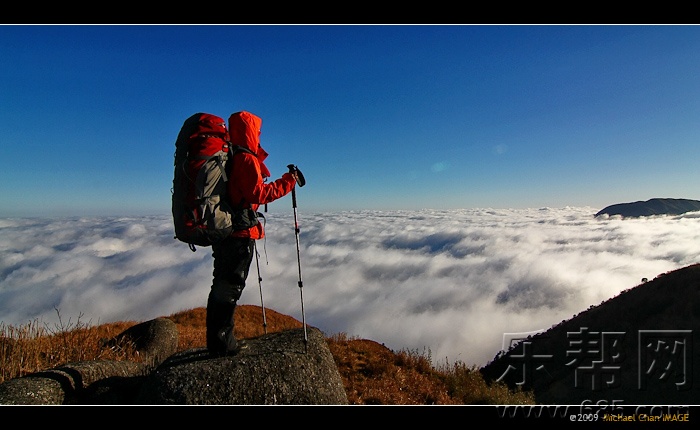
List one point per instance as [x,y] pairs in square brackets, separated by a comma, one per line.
[294,170]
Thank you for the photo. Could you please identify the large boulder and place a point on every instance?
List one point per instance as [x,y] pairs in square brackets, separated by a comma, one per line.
[292,367]
[69,384]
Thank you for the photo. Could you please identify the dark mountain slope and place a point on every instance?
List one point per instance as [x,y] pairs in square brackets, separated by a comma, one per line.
[636,348]
[652,207]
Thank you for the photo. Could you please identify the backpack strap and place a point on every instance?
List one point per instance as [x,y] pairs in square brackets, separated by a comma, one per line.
[219,162]
[234,149]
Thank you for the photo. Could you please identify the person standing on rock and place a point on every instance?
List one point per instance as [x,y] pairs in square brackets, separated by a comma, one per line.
[247,186]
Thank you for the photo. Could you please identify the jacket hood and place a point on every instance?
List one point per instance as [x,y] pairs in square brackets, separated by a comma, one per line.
[244,130]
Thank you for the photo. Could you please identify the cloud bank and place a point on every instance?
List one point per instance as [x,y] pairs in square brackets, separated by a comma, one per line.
[451,283]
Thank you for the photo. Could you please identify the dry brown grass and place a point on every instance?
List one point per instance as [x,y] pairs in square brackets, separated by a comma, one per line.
[33,347]
[375,375]
[372,373]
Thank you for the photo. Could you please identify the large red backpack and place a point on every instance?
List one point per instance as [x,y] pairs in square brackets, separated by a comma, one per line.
[202,214]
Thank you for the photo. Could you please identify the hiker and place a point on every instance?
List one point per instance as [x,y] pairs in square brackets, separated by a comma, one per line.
[233,255]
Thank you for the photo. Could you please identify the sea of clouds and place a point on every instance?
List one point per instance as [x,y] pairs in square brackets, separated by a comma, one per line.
[457,284]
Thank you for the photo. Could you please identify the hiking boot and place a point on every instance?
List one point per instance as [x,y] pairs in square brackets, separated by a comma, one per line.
[240,345]
[231,351]
[228,344]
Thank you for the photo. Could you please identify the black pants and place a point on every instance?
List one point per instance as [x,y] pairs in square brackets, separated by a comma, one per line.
[232,258]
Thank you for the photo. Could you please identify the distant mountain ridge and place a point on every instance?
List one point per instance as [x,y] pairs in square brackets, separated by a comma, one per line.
[656,206]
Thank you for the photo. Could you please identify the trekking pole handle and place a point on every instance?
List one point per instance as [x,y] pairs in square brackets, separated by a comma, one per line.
[294,170]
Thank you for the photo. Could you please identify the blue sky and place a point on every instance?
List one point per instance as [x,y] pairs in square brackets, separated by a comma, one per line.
[382,117]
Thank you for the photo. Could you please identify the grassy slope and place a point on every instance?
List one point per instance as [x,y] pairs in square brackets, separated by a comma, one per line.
[372,373]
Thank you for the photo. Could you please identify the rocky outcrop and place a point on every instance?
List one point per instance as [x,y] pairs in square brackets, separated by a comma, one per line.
[66,385]
[292,367]
[154,340]
[275,369]
[651,207]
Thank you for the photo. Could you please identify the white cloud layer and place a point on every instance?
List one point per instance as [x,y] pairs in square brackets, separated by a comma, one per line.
[448,282]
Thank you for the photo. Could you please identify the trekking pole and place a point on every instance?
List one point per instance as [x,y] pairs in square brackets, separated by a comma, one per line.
[301,181]
[262,304]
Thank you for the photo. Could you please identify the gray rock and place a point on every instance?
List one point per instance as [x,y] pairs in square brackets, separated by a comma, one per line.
[65,384]
[155,340]
[275,369]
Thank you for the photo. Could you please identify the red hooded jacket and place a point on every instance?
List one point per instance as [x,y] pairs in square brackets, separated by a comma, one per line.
[247,184]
